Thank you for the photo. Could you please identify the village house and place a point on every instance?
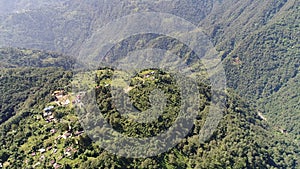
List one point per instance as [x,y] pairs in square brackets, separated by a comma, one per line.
[53,131]
[49,148]
[47,109]
[67,102]
[52,162]
[68,152]
[54,150]
[42,158]
[58,93]
[68,149]
[46,114]
[42,150]
[59,158]
[66,135]
[78,133]
[50,119]
[61,98]
[56,166]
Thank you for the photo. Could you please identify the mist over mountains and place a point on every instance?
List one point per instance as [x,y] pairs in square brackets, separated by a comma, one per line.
[261,34]
[257,41]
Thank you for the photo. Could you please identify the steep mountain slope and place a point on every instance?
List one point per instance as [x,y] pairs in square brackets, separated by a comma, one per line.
[265,63]
[268,57]
[25,75]
[63,28]
[282,108]
[230,21]
[32,138]
[258,41]
[237,28]
[15,6]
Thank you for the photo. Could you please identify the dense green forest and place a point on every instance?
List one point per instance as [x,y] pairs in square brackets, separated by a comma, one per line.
[32,139]
[265,67]
[19,69]
[258,42]
[284,115]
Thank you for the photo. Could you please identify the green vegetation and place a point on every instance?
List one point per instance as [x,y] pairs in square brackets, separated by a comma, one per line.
[257,40]
[268,68]
[283,116]
[27,77]
[31,138]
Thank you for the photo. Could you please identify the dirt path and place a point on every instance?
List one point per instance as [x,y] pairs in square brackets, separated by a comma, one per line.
[261,116]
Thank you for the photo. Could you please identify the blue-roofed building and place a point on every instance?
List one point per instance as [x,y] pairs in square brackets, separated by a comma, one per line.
[48,108]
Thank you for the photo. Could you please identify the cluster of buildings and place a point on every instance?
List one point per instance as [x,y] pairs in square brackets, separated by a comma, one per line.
[48,114]
[61,99]
[149,74]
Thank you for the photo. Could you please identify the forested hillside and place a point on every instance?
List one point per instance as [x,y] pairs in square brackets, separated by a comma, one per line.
[15,6]
[283,108]
[261,35]
[27,74]
[34,138]
[265,63]
[268,58]
[65,26]
[258,42]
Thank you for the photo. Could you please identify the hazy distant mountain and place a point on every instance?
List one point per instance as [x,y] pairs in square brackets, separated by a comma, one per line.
[63,27]
[19,6]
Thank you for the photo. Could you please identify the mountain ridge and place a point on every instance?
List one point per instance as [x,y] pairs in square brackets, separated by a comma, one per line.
[258,42]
